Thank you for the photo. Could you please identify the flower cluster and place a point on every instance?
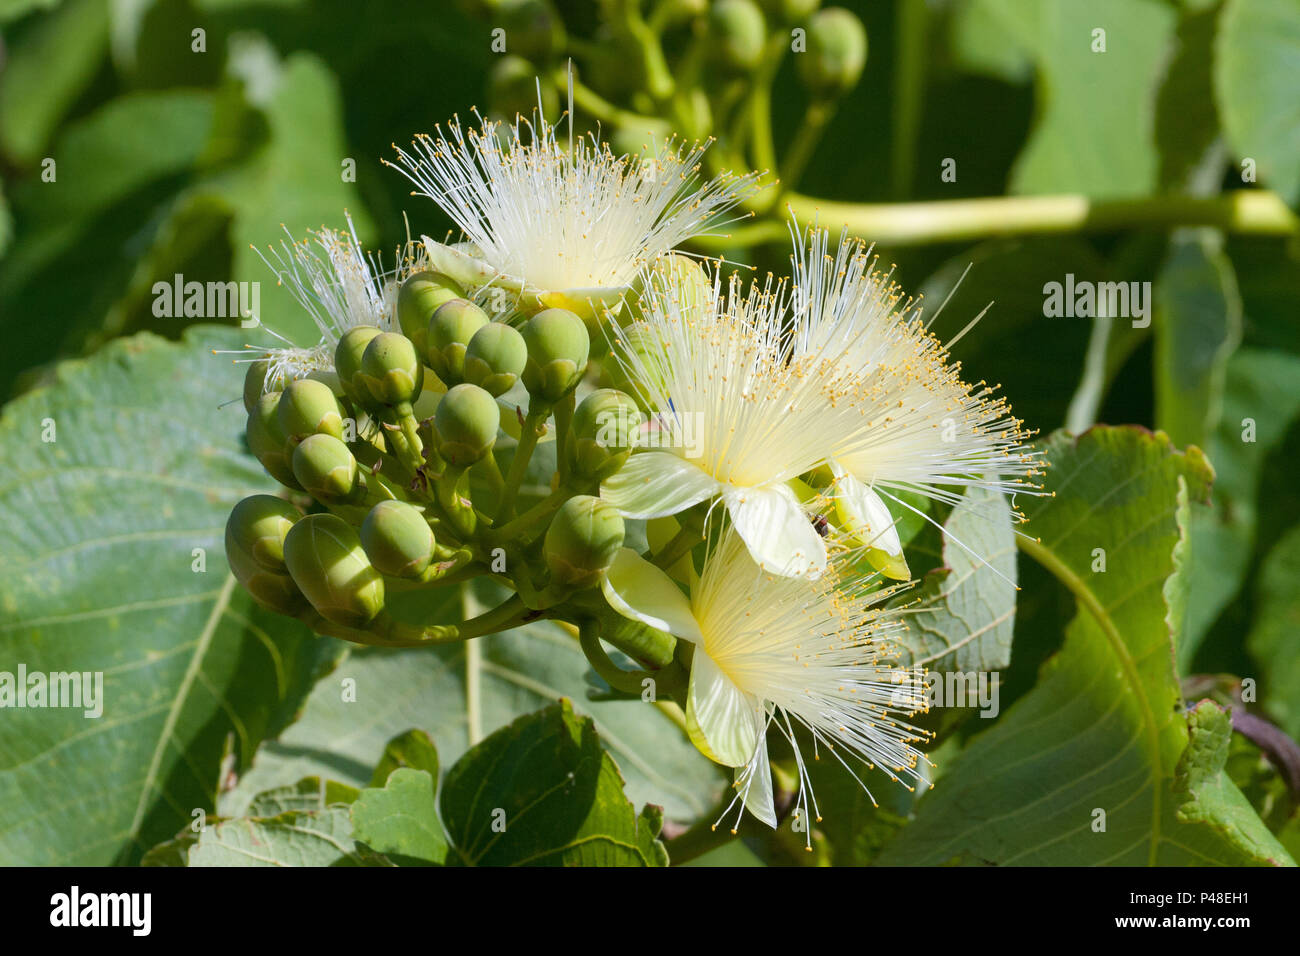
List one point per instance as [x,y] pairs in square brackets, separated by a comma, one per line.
[770,436]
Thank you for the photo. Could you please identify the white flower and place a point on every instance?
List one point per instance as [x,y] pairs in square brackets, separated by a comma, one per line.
[782,652]
[715,371]
[926,431]
[567,227]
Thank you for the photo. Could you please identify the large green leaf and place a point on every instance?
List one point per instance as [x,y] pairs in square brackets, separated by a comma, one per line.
[543,791]
[1256,61]
[1101,733]
[967,605]
[98,531]
[1272,639]
[344,727]
[1093,133]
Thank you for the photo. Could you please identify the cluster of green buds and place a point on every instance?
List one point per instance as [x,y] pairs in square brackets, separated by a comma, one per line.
[404,469]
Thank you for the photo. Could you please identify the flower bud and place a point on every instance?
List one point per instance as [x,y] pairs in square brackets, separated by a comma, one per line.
[453,324]
[582,541]
[327,470]
[397,539]
[836,54]
[275,592]
[327,562]
[678,281]
[638,353]
[466,421]
[347,361]
[391,370]
[308,407]
[603,433]
[788,11]
[738,33]
[417,300]
[255,383]
[495,357]
[266,439]
[257,525]
[558,346]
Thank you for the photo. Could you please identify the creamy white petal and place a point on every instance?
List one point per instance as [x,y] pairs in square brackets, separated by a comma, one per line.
[756,786]
[656,483]
[638,590]
[719,715]
[779,535]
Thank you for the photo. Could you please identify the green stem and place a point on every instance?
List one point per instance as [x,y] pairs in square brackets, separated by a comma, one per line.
[528,436]
[627,682]
[680,544]
[563,420]
[1246,211]
[458,508]
[514,529]
[806,140]
[909,86]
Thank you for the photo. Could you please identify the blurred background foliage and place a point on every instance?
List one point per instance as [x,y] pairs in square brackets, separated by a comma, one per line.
[170,160]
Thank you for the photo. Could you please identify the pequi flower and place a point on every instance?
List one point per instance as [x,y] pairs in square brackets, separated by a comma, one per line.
[340,286]
[567,228]
[783,652]
[743,422]
[926,430]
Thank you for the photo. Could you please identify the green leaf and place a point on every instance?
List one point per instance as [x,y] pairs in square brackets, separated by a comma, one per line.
[414,749]
[543,791]
[400,820]
[48,67]
[309,793]
[1101,731]
[1256,61]
[1272,639]
[295,838]
[514,673]
[1092,132]
[13,9]
[1261,399]
[98,531]
[1197,327]
[967,610]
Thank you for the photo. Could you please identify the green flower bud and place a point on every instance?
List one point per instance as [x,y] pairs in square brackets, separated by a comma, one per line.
[327,470]
[739,34]
[266,439]
[466,421]
[602,433]
[676,280]
[397,539]
[347,361]
[257,525]
[495,357]
[788,11]
[275,592]
[558,346]
[308,407]
[255,383]
[328,564]
[836,54]
[452,326]
[533,29]
[391,370]
[582,541]
[639,341]
[417,300]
